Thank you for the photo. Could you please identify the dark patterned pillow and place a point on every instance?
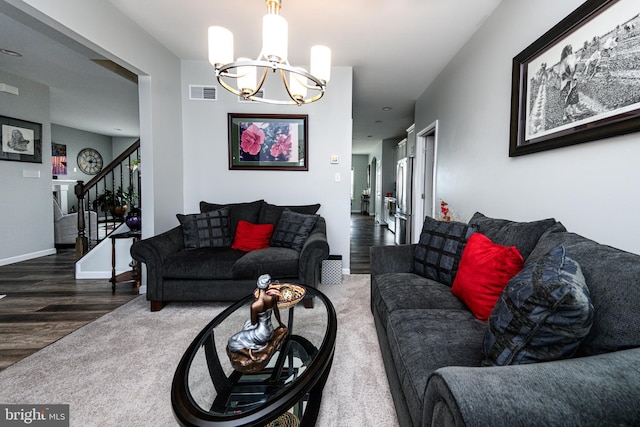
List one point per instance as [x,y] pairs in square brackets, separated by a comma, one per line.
[522,235]
[209,229]
[247,211]
[543,314]
[437,254]
[270,214]
[293,230]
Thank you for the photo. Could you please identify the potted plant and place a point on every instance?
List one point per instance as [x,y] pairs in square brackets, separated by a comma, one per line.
[114,202]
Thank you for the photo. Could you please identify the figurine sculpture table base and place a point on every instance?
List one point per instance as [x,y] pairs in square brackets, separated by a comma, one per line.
[207,392]
[241,361]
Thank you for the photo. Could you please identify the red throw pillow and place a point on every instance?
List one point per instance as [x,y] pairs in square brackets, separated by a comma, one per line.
[250,237]
[485,269]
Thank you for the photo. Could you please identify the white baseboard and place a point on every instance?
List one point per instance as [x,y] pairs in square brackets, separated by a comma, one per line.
[93,274]
[26,257]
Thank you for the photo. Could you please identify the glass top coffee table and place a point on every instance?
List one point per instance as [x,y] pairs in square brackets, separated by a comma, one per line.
[207,391]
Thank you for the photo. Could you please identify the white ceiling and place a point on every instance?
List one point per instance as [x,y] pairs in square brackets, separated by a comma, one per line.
[396,49]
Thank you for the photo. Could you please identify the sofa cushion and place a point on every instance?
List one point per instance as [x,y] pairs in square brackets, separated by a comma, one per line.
[251,237]
[248,211]
[203,263]
[485,269]
[277,262]
[523,235]
[210,229]
[613,278]
[270,214]
[397,291]
[293,230]
[543,314]
[422,341]
[438,252]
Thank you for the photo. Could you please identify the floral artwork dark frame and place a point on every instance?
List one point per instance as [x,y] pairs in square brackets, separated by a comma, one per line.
[20,140]
[564,96]
[268,142]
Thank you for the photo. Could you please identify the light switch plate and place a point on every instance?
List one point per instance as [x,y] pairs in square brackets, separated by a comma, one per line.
[30,173]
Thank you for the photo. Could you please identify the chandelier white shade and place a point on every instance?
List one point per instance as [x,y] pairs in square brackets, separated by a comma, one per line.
[274,57]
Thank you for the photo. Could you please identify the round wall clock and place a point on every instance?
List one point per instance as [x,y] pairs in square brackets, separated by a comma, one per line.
[89,161]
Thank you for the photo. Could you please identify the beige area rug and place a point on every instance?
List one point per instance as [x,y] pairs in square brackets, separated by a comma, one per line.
[117,370]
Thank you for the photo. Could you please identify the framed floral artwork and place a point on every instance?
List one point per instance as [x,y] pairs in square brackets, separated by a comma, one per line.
[268,142]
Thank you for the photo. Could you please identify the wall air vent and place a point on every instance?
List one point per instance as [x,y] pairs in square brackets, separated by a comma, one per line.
[203,93]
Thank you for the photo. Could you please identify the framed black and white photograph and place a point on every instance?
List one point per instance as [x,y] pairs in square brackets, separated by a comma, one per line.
[580,81]
[21,140]
[268,142]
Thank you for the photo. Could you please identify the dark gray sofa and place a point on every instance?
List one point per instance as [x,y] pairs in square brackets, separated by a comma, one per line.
[175,273]
[432,344]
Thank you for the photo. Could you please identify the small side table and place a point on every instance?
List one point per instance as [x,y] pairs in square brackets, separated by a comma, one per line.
[132,276]
[364,204]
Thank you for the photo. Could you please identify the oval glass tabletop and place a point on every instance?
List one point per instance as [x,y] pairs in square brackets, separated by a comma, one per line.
[206,390]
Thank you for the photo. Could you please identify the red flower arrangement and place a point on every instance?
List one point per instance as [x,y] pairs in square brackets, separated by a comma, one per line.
[444,210]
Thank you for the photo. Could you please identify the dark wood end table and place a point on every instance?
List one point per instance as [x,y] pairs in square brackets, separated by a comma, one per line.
[130,276]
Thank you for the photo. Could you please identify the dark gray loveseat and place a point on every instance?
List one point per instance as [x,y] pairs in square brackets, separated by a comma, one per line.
[176,273]
[432,344]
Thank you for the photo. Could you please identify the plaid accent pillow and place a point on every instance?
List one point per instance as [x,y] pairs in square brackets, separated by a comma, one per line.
[293,229]
[437,254]
[543,314]
[210,229]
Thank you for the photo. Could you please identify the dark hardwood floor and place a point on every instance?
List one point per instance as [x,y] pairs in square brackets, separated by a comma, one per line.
[365,233]
[44,302]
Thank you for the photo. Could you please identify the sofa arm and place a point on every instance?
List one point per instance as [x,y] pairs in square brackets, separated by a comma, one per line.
[391,259]
[588,391]
[314,250]
[152,252]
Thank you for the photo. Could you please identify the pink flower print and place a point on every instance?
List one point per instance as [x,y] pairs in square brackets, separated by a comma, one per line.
[251,140]
[282,146]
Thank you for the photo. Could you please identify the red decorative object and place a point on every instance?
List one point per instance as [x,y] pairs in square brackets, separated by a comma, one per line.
[485,269]
[251,237]
[445,210]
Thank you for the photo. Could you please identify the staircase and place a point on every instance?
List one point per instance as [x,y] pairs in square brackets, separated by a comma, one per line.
[112,194]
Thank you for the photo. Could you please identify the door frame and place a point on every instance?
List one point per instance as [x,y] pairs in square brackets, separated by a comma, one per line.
[426,154]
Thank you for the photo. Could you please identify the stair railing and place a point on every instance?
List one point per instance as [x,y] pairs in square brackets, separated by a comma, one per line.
[111,192]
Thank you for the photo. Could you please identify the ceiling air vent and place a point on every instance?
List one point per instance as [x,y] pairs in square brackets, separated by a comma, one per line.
[203,93]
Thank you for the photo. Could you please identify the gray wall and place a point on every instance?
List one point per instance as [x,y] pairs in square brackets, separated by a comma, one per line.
[26,229]
[76,140]
[592,188]
[206,171]
[29,199]
[93,24]
[171,184]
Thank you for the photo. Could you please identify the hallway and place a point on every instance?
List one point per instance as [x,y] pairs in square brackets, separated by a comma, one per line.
[365,233]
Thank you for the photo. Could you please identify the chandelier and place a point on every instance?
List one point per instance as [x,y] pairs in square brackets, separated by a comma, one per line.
[273,57]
